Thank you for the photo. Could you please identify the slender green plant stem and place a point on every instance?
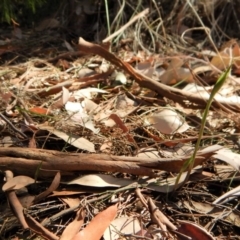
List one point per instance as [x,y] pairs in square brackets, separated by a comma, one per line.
[189,164]
[107,16]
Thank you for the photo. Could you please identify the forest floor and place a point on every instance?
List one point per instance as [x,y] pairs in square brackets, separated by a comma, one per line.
[100,138]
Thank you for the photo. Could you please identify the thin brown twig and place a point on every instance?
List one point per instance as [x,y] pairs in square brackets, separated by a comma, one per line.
[5,119]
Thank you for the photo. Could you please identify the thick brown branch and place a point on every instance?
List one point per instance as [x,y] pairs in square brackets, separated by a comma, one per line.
[26,161]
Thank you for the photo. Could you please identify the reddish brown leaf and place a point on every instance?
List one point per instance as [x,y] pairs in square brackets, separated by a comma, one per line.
[52,187]
[32,143]
[39,110]
[121,125]
[98,225]
[193,230]
[73,228]
[39,229]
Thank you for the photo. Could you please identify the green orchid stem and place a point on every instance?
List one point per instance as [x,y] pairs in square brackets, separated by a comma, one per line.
[189,164]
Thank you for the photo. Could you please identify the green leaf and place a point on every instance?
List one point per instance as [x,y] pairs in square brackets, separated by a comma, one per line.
[190,162]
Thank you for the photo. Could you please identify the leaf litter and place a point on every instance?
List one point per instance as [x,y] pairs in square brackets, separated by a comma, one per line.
[107,127]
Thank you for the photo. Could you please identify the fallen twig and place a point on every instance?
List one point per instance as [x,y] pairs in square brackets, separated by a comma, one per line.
[183,97]
[26,161]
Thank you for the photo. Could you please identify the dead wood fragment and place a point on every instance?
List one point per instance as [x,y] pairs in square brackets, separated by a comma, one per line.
[26,161]
[177,95]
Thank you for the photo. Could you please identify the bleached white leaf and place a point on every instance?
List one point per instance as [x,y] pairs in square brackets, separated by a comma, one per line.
[74,107]
[65,95]
[78,115]
[123,225]
[90,125]
[204,92]
[169,184]
[167,121]
[93,65]
[78,142]
[179,150]
[7,141]
[87,93]
[84,72]
[101,180]
[228,196]
[104,66]
[120,77]
[149,153]
[89,105]
[165,185]
[227,156]
[210,149]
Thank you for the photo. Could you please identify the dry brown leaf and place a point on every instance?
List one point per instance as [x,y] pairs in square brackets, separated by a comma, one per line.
[71,201]
[236,55]
[17,33]
[26,200]
[17,183]
[230,52]
[39,229]
[145,68]
[176,73]
[54,185]
[15,204]
[217,212]
[65,193]
[221,61]
[121,125]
